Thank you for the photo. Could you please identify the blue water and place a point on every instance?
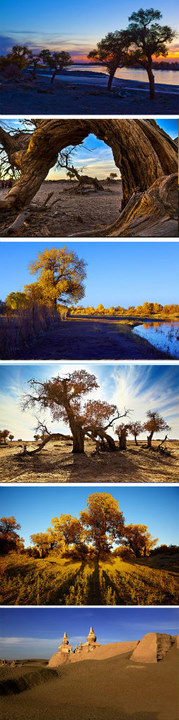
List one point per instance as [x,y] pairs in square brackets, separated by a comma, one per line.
[163,335]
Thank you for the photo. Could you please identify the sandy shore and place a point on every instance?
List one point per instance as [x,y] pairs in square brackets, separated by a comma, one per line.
[76,93]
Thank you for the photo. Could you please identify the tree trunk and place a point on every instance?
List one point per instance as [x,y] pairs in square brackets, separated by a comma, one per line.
[141,152]
[53,77]
[135,438]
[122,442]
[151,82]
[78,439]
[110,79]
[149,440]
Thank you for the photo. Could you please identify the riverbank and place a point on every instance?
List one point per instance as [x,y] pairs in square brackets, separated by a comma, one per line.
[85,93]
[91,339]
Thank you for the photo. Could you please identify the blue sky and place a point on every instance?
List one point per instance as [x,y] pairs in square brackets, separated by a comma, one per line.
[137,387]
[118,273]
[37,632]
[75,27]
[34,507]
[94,155]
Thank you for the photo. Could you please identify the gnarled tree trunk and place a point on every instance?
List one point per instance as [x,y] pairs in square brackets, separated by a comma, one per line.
[142,152]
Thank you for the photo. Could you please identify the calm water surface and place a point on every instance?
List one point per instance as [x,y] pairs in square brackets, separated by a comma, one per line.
[164,336]
[168,77]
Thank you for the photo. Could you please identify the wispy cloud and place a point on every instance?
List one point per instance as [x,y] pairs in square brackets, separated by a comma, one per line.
[134,387]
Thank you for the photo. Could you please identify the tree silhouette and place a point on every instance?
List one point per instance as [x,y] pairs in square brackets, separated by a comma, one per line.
[111,51]
[60,276]
[65,161]
[34,61]
[103,521]
[148,39]
[154,424]
[56,61]
[19,56]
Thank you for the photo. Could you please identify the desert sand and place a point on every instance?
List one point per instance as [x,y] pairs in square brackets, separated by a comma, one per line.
[74,213]
[115,688]
[57,463]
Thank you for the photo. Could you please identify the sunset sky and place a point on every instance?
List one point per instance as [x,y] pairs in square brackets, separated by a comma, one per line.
[73,26]
[137,387]
[37,632]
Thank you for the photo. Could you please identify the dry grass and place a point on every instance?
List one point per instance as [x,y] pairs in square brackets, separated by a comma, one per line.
[18,330]
[59,581]
[56,463]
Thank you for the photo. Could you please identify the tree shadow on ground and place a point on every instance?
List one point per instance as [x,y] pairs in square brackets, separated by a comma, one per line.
[124,466]
[94,596]
[60,595]
[110,585]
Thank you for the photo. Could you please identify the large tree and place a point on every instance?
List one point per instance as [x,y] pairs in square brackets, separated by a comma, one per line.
[111,51]
[64,396]
[148,40]
[139,539]
[103,521]
[154,423]
[60,276]
[9,537]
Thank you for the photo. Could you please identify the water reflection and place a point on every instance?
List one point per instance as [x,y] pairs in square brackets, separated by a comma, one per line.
[164,336]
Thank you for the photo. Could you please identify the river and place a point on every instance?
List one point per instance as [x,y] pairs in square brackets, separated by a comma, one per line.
[163,335]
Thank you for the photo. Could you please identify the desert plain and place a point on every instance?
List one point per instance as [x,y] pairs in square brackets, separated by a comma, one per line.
[56,463]
[115,687]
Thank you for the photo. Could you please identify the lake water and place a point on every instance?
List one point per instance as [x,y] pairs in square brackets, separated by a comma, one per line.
[164,336]
[168,77]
